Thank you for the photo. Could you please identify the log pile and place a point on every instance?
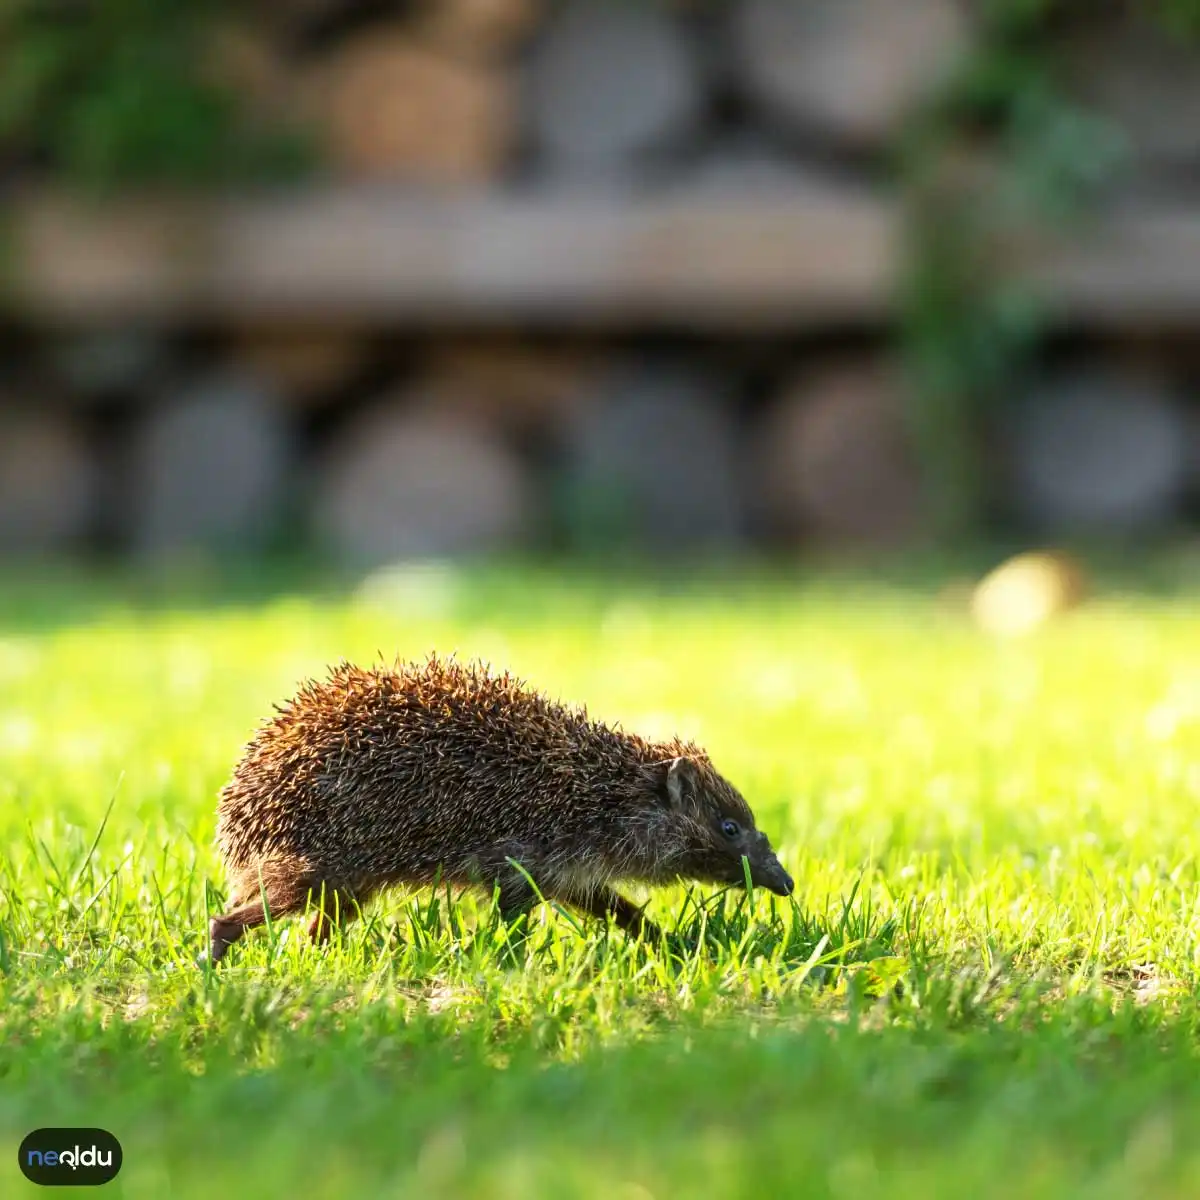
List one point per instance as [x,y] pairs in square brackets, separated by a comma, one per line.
[645,145]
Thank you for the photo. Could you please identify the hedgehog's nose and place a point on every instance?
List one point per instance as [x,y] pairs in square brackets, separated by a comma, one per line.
[776,879]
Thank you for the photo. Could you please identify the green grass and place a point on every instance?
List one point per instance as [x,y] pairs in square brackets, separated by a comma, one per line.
[986,984]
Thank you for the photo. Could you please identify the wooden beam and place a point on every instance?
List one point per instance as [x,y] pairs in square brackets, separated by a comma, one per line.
[496,259]
[713,261]
[1140,268]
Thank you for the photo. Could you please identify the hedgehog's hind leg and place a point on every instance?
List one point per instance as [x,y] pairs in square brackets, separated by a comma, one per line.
[280,892]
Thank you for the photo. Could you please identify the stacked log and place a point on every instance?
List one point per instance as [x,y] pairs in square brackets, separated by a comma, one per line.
[610,85]
[390,107]
[652,461]
[49,480]
[206,469]
[452,442]
[844,70]
[832,460]
[1099,450]
[397,485]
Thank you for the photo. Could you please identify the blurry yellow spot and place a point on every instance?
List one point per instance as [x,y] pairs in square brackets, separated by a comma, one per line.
[1024,593]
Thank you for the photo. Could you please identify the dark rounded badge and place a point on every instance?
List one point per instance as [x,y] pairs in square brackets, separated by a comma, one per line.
[69,1157]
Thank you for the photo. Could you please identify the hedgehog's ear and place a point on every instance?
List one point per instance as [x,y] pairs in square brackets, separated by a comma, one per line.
[682,781]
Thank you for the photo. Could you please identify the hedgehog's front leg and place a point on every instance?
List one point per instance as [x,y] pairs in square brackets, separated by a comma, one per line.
[502,869]
[517,896]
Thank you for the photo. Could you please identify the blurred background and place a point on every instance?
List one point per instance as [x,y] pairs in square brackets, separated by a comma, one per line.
[376,280]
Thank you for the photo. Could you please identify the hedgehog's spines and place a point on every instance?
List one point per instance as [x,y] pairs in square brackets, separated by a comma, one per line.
[375,776]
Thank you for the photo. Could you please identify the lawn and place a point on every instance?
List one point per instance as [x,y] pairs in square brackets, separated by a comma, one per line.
[984,985]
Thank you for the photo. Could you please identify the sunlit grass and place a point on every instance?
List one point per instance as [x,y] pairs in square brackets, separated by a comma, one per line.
[985,982]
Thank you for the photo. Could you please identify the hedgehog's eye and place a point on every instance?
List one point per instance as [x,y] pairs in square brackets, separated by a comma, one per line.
[730,829]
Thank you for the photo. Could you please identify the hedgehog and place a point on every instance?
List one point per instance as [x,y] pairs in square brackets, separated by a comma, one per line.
[442,771]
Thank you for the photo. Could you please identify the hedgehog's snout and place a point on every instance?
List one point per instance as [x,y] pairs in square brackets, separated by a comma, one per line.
[766,871]
[773,877]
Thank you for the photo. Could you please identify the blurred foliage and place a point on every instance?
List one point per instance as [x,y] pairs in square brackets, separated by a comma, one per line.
[1000,149]
[103,93]
[1181,15]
